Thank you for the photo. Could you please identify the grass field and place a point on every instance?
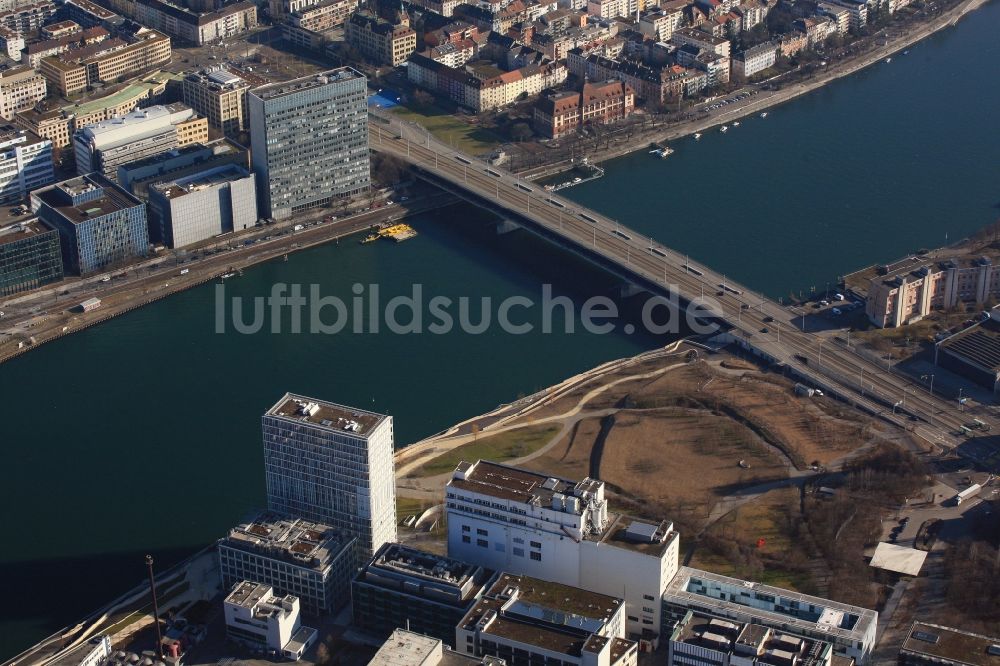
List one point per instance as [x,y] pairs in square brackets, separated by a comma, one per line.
[449,129]
[407,506]
[498,448]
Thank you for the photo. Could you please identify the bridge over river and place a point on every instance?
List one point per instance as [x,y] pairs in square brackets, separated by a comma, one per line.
[761,325]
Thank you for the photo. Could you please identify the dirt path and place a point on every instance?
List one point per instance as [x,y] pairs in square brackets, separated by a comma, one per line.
[430,487]
[502,418]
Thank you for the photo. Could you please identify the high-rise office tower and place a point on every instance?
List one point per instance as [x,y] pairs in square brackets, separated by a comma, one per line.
[309,140]
[332,464]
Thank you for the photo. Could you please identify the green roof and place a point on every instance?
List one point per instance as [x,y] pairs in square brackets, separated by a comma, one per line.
[127,93]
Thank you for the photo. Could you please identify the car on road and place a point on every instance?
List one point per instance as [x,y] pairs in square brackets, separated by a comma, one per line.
[768,318]
[764,330]
[837,312]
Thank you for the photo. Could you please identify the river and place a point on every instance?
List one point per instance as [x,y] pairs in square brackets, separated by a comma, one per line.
[896,157]
[143,434]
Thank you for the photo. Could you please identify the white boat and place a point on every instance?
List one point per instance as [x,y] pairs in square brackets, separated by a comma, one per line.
[578,180]
[697,135]
[227,275]
[888,60]
[736,123]
[764,114]
[906,53]
[723,129]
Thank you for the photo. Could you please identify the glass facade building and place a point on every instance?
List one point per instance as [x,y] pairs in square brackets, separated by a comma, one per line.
[332,464]
[309,139]
[29,257]
[101,226]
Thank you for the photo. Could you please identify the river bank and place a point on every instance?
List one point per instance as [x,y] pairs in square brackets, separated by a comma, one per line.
[48,315]
[765,100]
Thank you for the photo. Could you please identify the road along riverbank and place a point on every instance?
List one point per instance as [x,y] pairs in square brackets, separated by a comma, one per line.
[766,99]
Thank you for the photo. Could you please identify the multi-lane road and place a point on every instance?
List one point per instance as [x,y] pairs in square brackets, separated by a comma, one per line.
[755,320]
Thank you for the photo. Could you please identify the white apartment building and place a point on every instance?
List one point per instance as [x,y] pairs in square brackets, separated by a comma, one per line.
[20,89]
[332,464]
[659,24]
[519,521]
[25,163]
[525,620]
[755,60]
[257,618]
[11,44]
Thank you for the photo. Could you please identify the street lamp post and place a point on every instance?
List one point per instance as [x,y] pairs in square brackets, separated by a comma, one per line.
[156,610]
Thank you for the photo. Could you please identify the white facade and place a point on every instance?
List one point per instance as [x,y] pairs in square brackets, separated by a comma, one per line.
[334,465]
[20,89]
[203,205]
[406,648]
[513,520]
[25,164]
[255,617]
[755,60]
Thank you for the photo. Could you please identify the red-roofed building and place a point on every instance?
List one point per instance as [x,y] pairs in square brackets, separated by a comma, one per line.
[597,104]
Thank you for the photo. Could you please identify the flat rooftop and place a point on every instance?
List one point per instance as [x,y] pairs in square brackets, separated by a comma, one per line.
[16,231]
[513,483]
[765,644]
[411,562]
[329,415]
[248,594]
[111,200]
[276,90]
[197,182]
[703,589]
[528,487]
[293,540]
[631,533]
[979,344]
[406,648]
[964,647]
[548,615]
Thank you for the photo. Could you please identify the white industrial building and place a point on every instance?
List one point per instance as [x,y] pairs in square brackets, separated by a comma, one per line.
[850,629]
[514,520]
[202,205]
[525,620]
[257,618]
[334,465]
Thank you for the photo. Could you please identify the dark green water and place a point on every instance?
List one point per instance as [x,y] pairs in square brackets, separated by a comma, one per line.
[143,434]
[897,157]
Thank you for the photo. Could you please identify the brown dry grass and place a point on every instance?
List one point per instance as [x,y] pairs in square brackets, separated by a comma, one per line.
[809,429]
[678,455]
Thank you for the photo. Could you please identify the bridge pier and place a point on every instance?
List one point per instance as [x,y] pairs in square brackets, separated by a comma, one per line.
[629,289]
[506,226]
